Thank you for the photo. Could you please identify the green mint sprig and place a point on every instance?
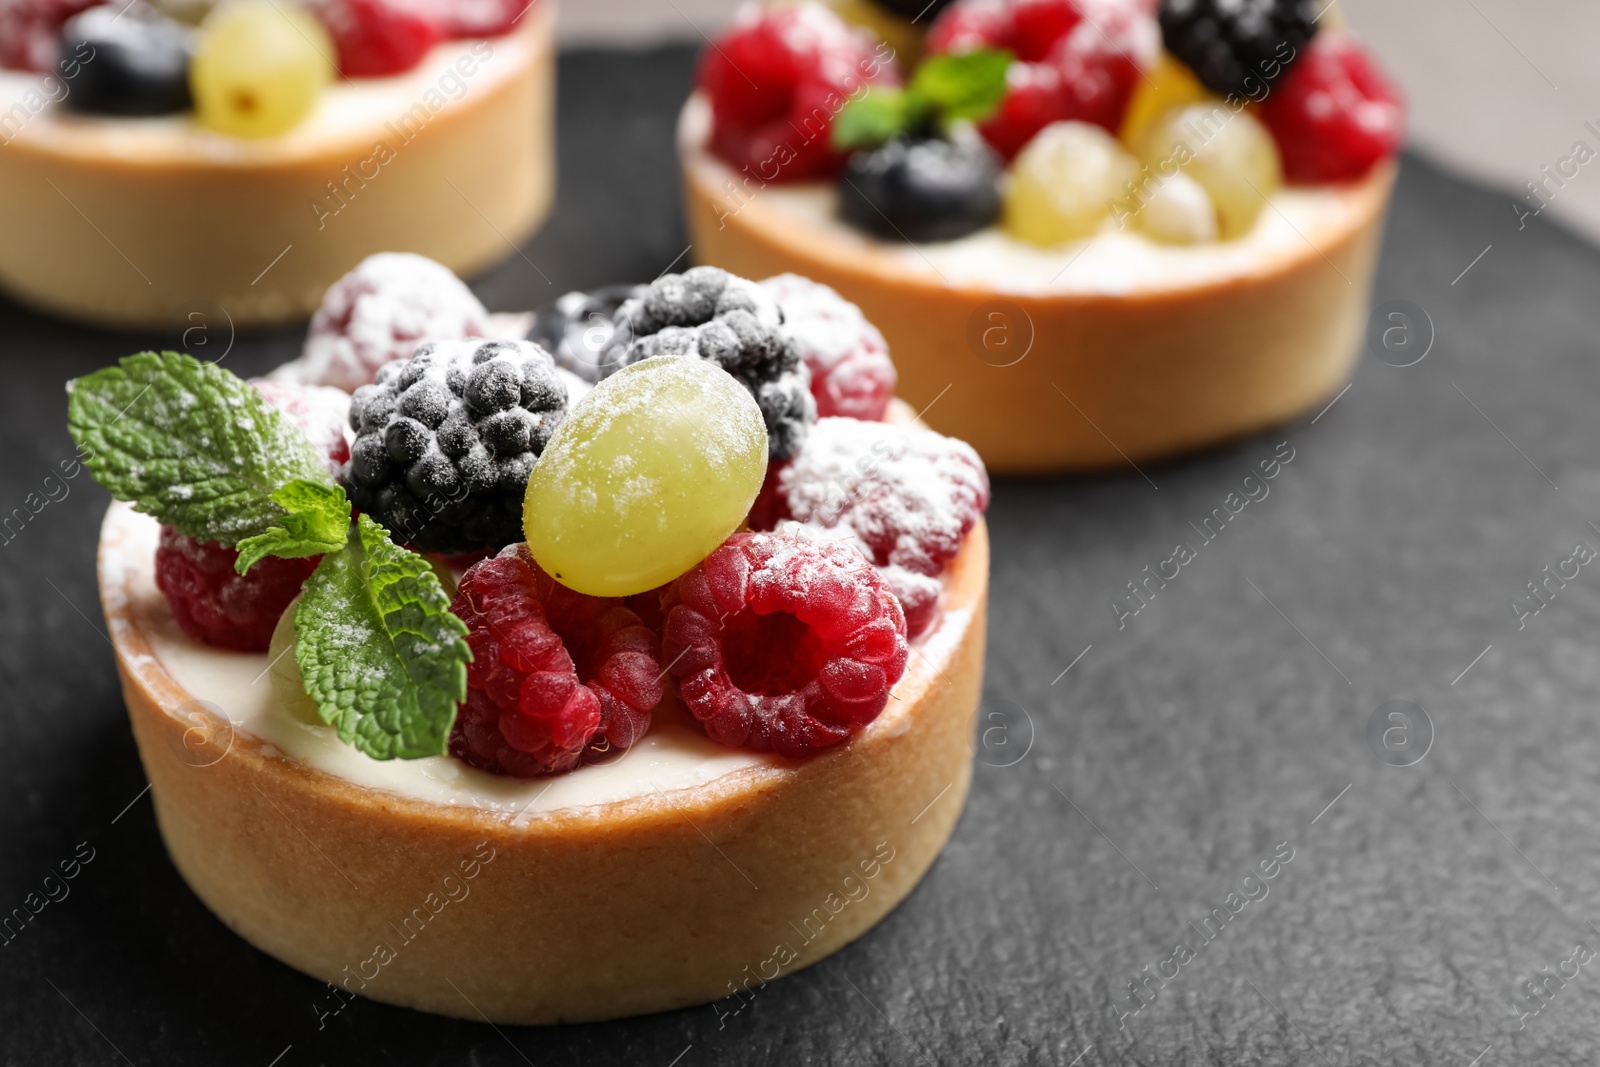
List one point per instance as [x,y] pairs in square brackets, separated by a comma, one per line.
[961,86]
[379,649]
[190,444]
[198,448]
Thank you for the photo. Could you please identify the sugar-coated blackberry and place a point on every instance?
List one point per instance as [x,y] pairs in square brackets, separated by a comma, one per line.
[445,442]
[577,328]
[921,189]
[1238,46]
[732,322]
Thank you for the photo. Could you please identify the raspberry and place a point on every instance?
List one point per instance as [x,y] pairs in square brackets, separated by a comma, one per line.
[376,38]
[784,643]
[30,31]
[710,314]
[556,678]
[215,605]
[909,494]
[212,602]
[1235,47]
[851,373]
[379,312]
[776,80]
[1076,60]
[320,411]
[1334,115]
[481,18]
[445,442]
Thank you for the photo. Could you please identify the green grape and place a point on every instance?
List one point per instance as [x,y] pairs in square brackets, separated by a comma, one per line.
[1178,212]
[647,475]
[259,67]
[287,684]
[1064,182]
[1230,154]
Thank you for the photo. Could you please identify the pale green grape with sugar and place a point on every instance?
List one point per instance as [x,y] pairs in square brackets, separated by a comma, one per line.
[259,67]
[646,477]
[1230,154]
[1063,184]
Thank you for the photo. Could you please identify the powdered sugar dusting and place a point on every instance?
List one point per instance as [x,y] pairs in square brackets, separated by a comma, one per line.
[322,413]
[851,372]
[380,312]
[911,495]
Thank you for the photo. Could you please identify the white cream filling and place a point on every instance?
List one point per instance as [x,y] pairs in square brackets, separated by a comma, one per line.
[32,110]
[1295,222]
[671,756]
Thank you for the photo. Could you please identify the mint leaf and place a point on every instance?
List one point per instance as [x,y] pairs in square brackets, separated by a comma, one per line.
[380,652]
[317,522]
[189,443]
[962,85]
[873,118]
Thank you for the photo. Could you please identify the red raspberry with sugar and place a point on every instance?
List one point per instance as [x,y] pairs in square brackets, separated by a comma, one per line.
[557,677]
[380,312]
[320,411]
[30,32]
[910,495]
[484,18]
[376,38]
[775,82]
[1335,115]
[851,373]
[785,643]
[1076,60]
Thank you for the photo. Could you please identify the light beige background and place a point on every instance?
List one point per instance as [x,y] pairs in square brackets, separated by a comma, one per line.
[1498,88]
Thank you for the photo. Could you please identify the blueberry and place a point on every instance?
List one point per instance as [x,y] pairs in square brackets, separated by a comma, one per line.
[921,189]
[130,62]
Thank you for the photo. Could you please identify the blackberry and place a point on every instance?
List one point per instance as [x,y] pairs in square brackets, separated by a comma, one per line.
[445,442]
[1237,47]
[577,328]
[732,322]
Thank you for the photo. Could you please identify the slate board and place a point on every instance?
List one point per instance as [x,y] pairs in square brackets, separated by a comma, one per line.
[1176,753]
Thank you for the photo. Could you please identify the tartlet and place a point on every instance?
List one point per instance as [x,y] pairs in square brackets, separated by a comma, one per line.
[141,222]
[1049,353]
[509,856]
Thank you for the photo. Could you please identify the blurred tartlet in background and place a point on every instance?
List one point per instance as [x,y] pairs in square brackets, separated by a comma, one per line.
[160,157]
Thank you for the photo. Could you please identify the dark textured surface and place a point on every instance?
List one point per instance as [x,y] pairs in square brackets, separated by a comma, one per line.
[1196,739]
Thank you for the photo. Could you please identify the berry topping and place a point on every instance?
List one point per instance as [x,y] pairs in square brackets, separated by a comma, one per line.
[320,412]
[647,476]
[259,68]
[1231,155]
[851,373]
[379,312]
[921,189]
[378,37]
[786,643]
[214,604]
[1064,183]
[30,32]
[445,442]
[728,321]
[140,62]
[481,18]
[1077,60]
[910,495]
[776,80]
[1335,115]
[556,676]
[577,328]
[1238,47]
